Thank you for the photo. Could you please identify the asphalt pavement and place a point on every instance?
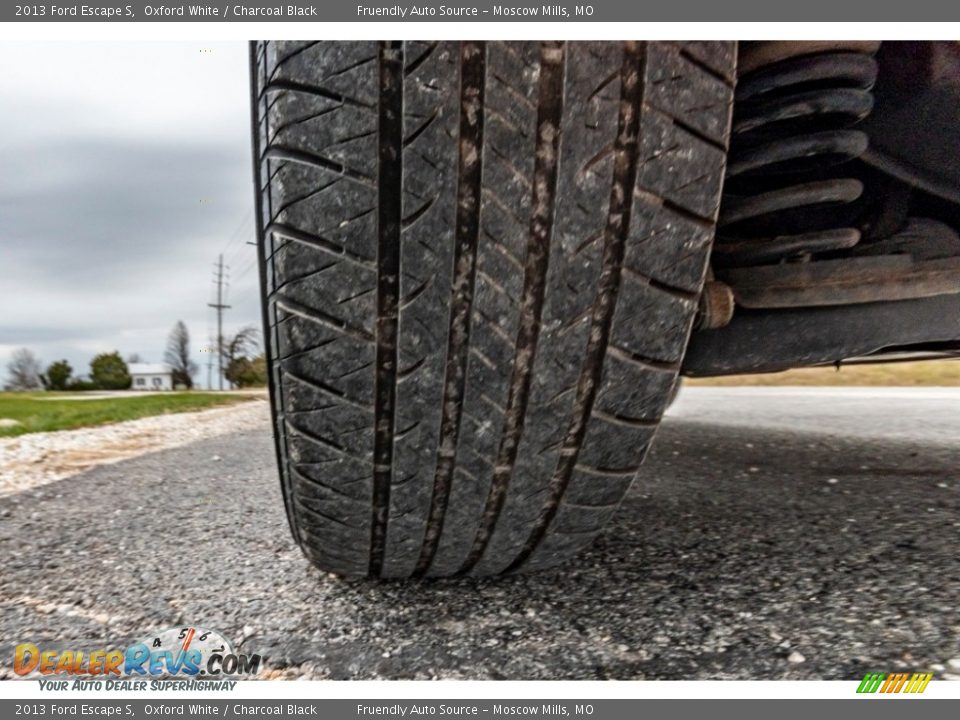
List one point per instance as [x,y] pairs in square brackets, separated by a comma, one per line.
[774,533]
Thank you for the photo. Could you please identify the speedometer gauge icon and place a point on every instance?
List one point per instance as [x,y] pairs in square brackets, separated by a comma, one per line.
[193,642]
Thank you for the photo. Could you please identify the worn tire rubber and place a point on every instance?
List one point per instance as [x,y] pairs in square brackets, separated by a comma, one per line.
[480,263]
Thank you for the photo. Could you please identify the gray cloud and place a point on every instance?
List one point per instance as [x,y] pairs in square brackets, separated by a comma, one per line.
[116,199]
[116,211]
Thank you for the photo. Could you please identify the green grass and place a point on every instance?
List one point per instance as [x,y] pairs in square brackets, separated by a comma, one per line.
[929,373]
[44,412]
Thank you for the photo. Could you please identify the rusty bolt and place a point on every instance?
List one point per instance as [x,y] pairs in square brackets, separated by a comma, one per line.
[716,305]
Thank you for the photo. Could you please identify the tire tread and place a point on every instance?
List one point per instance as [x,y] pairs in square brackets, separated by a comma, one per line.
[481,264]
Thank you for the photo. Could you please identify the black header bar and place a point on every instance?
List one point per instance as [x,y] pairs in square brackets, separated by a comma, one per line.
[741,11]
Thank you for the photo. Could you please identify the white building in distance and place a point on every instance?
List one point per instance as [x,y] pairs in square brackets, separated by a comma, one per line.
[150,376]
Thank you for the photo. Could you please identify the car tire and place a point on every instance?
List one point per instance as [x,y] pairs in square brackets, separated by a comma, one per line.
[480,265]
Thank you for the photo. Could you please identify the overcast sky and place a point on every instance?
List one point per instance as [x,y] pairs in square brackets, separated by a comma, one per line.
[124,171]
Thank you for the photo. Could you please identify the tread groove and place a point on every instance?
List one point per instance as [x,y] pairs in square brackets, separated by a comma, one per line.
[410,219]
[676,292]
[390,185]
[626,421]
[696,132]
[608,471]
[647,363]
[292,54]
[324,486]
[704,222]
[322,387]
[313,192]
[467,233]
[320,317]
[306,238]
[280,152]
[300,121]
[414,64]
[316,90]
[549,117]
[694,60]
[618,226]
[420,130]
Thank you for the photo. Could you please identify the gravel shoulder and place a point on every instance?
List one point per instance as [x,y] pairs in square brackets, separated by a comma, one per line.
[814,551]
[32,460]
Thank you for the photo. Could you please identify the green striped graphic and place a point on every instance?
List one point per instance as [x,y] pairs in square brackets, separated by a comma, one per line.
[894,683]
[871,682]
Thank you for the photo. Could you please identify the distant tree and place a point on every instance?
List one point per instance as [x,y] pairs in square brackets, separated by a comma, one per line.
[244,344]
[236,370]
[108,371]
[177,356]
[58,375]
[24,370]
[134,358]
[244,372]
[259,371]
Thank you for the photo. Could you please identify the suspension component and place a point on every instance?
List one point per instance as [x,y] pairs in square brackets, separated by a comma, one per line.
[790,191]
[716,306]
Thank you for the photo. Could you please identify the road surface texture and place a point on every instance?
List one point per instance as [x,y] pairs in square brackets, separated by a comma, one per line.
[774,533]
[35,459]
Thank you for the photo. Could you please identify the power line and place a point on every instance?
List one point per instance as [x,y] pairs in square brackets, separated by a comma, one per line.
[239,231]
[220,307]
[239,252]
[246,269]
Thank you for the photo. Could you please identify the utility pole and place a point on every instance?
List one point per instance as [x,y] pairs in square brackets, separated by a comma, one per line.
[220,307]
[210,368]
